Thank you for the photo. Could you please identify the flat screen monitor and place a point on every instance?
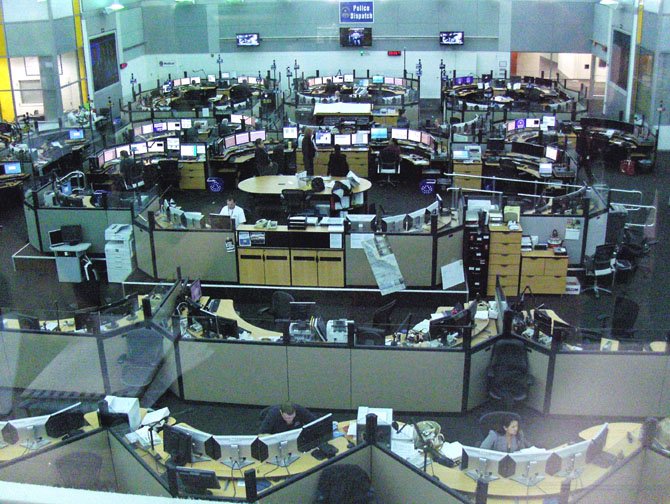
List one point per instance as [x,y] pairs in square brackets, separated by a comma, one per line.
[194,481]
[414,135]
[290,132]
[399,133]
[225,75]
[137,130]
[194,80]
[211,78]
[72,234]
[348,77]
[398,81]
[416,220]
[248,39]
[218,221]
[361,137]
[525,468]
[12,168]
[227,327]
[65,421]
[186,123]
[173,125]
[278,449]
[393,223]
[511,127]
[426,139]
[76,134]
[452,324]
[378,133]
[198,440]
[364,83]
[452,38]
[173,144]
[229,141]
[188,151]
[147,129]
[200,149]
[255,135]
[302,310]
[543,323]
[551,153]
[342,139]
[139,148]
[545,169]
[361,223]
[355,37]
[388,80]
[121,148]
[55,238]
[110,154]
[323,138]
[177,443]
[550,121]
[160,127]
[241,138]
[101,159]
[495,145]
[318,81]
[196,290]
[157,147]
[481,464]
[29,323]
[316,432]
[310,82]
[533,122]
[338,79]
[568,461]
[29,432]
[598,442]
[378,79]
[528,149]
[232,451]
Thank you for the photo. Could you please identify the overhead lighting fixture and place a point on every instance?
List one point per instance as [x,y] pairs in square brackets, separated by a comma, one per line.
[116,6]
[610,3]
[192,2]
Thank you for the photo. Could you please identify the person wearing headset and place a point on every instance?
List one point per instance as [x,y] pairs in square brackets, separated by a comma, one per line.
[507,437]
[285,417]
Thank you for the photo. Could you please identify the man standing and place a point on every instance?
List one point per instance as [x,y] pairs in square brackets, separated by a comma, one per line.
[308,151]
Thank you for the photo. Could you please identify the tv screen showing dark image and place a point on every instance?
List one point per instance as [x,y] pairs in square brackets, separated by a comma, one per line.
[248,39]
[355,37]
[451,38]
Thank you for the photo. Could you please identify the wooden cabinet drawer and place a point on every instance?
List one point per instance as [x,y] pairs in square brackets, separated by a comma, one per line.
[505,280]
[506,248]
[556,267]
[505,237]
[504,269]
[532,266]
[544,284]
[498,258]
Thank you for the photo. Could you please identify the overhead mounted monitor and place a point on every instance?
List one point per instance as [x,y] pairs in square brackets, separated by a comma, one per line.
[452,38]
[399,133]
[254,135]
[323,138]
[414,135]
[241,138]
[342,139]
[290,132]
[355,37]
[173,144]
[248,39]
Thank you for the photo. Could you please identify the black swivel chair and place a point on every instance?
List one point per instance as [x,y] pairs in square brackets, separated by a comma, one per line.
[388,164]
[601,263]
[623,318]
[168,175]
[508,376]
[381,318]
[134,179]
[294,201]
[280,308]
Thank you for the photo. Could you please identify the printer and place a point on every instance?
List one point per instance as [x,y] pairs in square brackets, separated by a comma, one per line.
[384,421]
[119,252]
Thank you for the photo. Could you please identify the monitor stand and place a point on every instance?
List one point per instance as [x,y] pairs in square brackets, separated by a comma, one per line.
[34,443]
[282,460]
[236,464]
[528,479]
[477,475]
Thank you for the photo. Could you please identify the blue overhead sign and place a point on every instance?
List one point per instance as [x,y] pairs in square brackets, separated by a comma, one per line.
[357,12]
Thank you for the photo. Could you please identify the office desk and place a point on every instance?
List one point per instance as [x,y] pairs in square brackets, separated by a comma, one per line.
[275,184]
[226,309]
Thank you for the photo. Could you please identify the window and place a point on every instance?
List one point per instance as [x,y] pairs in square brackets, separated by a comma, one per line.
[31,91]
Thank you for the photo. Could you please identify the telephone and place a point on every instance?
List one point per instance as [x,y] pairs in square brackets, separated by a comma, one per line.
[261,223]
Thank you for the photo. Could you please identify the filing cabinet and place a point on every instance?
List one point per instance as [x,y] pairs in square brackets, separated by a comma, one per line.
[504,259]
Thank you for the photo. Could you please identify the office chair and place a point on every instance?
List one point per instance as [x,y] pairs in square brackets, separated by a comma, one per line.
[508,378]
[623,318]
[381,318]
[168,174]
[280,309]
[142,360]
[294,201]
[601,263]
[135,179]
[388,165]
[491,421]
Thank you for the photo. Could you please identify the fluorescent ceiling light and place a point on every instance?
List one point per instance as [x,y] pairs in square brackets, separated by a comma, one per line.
[185,1]
[612,3]
[116,6]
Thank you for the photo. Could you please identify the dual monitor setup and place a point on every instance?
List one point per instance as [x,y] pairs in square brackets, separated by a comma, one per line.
[36,432]
[91,320]
[186,445]
[195,220]
[411,222]
[65,235]
[362,37]
[529,468]
[200,320]
[167,126]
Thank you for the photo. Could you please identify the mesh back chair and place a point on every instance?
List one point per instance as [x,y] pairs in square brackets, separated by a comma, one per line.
[280,308]
[294,201]
[623,318]
[600,264]
[388,164]
[508,376]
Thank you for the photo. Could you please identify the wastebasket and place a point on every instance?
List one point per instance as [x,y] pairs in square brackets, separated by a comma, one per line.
[624,269]
[215,184]
[645,166]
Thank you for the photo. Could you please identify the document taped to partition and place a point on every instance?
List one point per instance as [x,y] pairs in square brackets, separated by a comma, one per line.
[384,265]
[452,274]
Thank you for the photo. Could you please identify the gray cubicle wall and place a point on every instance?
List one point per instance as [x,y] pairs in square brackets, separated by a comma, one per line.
[615,383]
[477,389]
[543,225]
[132,477]
[143,249]
[619,487]
[232,372]
[357,270]
[449,249]
[199,253]
[84,463]
[539,370]
[654,485]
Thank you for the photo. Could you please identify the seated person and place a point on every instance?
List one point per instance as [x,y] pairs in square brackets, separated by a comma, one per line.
[126,166]
[330,87]
[225,128]
[337,163]
[264,166]
[403,122]
[236,213]
[394,148]
[507,437]
[285,417]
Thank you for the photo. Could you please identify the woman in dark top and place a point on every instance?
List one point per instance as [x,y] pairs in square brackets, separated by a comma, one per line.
[337,164]
[508,436]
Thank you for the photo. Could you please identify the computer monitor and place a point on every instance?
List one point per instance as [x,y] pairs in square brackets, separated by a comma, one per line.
[348,77]
[231,451]
[393,224]
[414,135]
[196,290]
[533,122]
[338,79]
[432,209]
[495,145]
[550,121]
[378,79]
[122,148]
[427,139]
[227,327]
[55,238]
[173,125]
[302,310]
[378,133]
[160,127]
[147,129]
[480,464]
[290,132]
[361,223]
[87,320]
[211,78]
[218,221]
[201,148]
[551,153]
[370,336]
[415,221]
[197,439]
[501,305]
[316,432]
[399,133]
[173,144]
[511,126]
[322,137]
[364,83]
[356,37]
[543,323]
[76,134]
[255,135]
[525,468]
[156,147]
[361,137]
[342,139]
[451,325]
[188,151]
[597,445]
[278,449]
[186,123]
[194,80]
[65,421]
[72,234]
[28,322]
[452,38]
[195,481]
[568,461]
[139,148]
[241,138]
[29,432]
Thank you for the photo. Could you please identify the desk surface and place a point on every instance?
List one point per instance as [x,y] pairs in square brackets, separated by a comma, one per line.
[275,184]
[226,309]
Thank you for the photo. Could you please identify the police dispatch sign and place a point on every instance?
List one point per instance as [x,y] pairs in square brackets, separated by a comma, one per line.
[356,12]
